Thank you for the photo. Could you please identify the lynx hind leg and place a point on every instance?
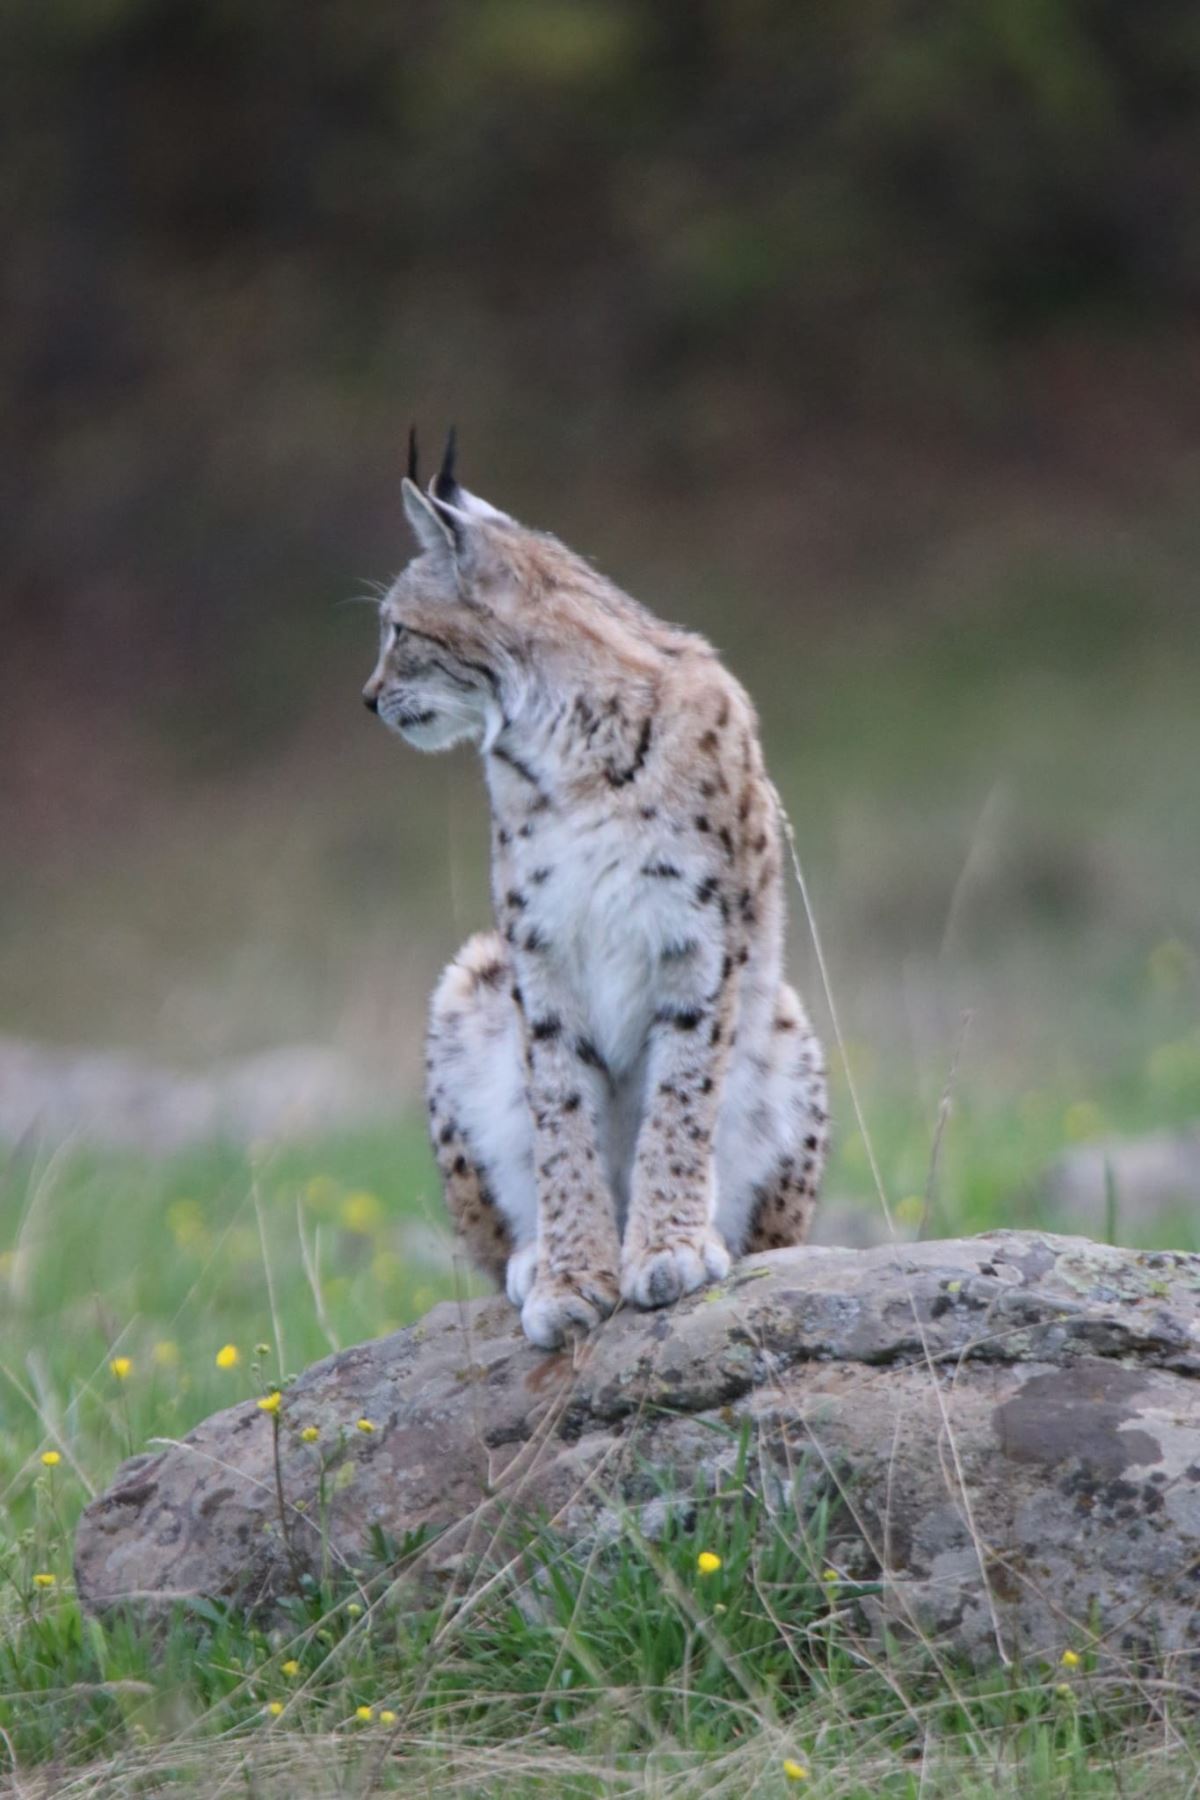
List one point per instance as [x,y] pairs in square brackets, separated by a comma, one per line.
[785,1202]
[770,1163]
[479,1114]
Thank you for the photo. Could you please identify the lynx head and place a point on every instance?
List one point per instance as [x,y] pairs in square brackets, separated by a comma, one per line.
[450,650]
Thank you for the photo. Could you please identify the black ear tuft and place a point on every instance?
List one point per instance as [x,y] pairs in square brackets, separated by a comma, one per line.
[412,455]
[444,485]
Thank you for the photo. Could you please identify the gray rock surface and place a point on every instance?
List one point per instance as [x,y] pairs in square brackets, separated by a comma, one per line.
[1007,1428]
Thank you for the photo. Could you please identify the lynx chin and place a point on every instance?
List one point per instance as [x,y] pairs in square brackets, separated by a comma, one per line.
[623,1091]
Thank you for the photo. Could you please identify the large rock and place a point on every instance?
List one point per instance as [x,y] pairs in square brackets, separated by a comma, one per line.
[1009,1428]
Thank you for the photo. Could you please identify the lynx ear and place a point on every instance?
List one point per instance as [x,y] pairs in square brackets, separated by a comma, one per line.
[447,520]
[432,529]
[449,495]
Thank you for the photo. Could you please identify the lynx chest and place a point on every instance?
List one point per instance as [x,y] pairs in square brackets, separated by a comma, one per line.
[604,900]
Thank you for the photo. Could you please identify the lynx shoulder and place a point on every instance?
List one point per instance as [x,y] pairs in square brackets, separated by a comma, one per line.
[623,1091]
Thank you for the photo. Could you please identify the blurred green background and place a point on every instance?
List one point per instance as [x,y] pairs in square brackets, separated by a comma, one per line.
[863,338]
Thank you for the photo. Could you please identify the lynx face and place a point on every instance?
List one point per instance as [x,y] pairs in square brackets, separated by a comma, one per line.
[433,683]
[425,686]
[443,655]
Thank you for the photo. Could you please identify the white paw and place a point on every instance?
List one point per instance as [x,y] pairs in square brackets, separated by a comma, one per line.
[557,1308]
[659,1277]
[522,1267]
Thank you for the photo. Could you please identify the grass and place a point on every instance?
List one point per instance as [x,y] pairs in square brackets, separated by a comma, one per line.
[628,1671]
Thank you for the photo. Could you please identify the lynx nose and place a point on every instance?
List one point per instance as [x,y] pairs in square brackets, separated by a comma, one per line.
[370,700]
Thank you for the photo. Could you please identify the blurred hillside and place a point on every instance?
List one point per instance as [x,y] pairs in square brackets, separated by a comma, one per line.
[865,338]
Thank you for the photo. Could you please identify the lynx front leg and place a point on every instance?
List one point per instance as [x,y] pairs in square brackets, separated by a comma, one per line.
[671,1243]
[575,1284]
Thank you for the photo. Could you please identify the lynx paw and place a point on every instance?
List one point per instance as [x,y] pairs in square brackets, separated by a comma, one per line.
[561,1306]
[522,1267]
[659,1276]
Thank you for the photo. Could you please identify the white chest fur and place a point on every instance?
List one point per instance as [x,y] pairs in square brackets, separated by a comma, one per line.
[589,894]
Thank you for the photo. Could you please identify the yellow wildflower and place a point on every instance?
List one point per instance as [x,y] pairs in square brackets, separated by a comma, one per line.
[121,1367]
[291,1668]
[44,1581]
[353,1608]
[310,1434]
[387,1717]
[51,1458]
[228,1356]
[365,1713]
[830,1576]
[1070,1659]
[365,1425]
[361,1212]
[707,1562]
[270,1403]
[793,1770]
[274,1707]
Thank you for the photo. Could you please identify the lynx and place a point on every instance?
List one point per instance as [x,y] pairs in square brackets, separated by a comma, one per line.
[623,1092]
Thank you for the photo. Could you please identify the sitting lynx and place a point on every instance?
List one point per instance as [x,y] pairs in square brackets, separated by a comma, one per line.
[622,1090]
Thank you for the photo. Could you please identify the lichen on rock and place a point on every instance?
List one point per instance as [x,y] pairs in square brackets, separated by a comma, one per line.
[1007,1429]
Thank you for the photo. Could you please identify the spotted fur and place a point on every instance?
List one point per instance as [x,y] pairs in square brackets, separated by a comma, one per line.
[622,1090]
